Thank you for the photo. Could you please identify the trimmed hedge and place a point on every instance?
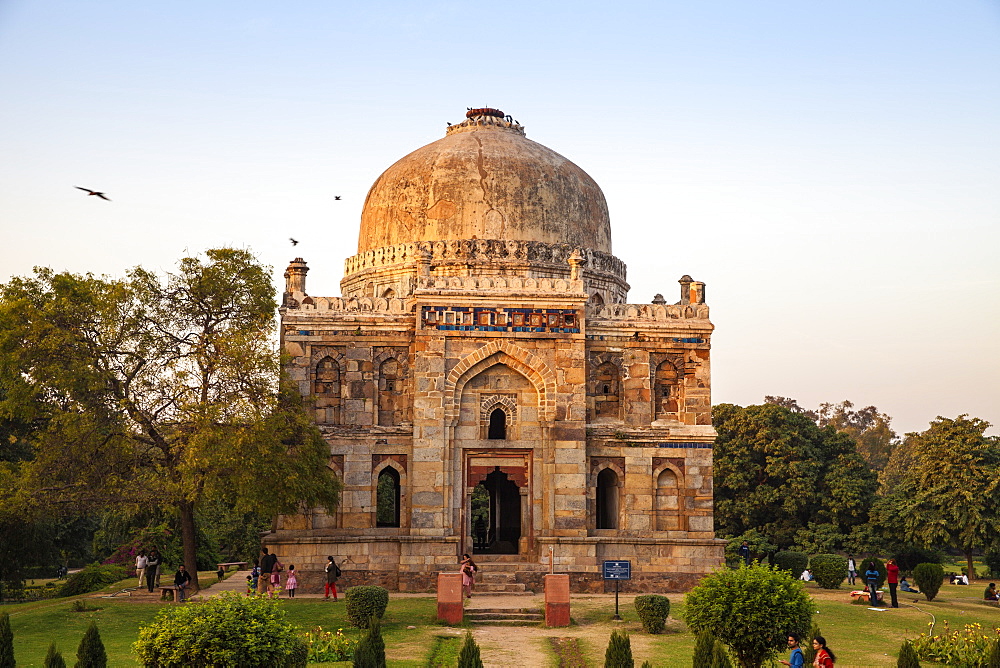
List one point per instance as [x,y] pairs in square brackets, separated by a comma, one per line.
[652,610]
[829,570]
[791,561]
[363,602]
[928,578]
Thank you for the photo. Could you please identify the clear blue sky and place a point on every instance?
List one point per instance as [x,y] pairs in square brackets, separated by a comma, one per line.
[831,170]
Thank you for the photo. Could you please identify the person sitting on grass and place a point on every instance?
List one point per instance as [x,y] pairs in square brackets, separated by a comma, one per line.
[991,593]
[905,586]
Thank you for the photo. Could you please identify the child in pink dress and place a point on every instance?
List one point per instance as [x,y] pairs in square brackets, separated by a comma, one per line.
[292,582]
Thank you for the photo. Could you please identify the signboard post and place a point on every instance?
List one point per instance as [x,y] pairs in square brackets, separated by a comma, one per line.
[617,570]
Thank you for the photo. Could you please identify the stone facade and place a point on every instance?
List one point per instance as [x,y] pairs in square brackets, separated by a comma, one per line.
[498,396]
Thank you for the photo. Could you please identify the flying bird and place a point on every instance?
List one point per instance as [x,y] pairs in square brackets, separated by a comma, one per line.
[294,241]
[336,197]
[92,192]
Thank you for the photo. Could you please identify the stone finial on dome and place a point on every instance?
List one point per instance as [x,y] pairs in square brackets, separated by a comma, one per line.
[295,276]
[575,260]
[486,118]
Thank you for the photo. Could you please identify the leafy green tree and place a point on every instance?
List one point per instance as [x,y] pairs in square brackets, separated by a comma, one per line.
[907,657]
[867,426]
[751,609]
[91,652]
[158,391]
[54,658]
[950,494]
[778,472]
[928,578]
[370,652]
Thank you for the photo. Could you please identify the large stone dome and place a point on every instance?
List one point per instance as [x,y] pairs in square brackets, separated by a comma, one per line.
[485,180]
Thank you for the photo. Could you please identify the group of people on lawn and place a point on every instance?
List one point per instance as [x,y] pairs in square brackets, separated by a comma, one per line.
[148,566]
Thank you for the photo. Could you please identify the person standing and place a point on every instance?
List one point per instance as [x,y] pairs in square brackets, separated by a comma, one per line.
[140,565]
[796,659]
[892,577]
[744,552]
[871,577]
[824,655]
[181,580]
[152,566]
[332,573]
[469,569]
[852,570]
[291,582]
[267,563]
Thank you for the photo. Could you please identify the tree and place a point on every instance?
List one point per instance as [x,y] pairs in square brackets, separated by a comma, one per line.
[91,652]
[777,472]
[54,658]
[469,656]
[150,392]
[950,494]
[752,609]
[867,426]
[907,657]
[619,652]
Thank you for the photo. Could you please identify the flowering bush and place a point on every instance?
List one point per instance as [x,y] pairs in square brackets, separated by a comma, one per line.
[965,649]
[326,646]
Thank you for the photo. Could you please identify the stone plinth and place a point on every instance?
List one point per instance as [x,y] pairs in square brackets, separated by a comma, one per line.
[557,599]
[449,598]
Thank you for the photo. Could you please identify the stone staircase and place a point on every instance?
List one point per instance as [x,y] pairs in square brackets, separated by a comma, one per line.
[504,616]
[498,575]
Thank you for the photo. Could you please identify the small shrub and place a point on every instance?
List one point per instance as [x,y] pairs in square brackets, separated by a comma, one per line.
[652,610]
[325,646]
[6,642]
[907,657]
[993,658]
[928,579]
[54,658]
[619,652]
[230,630]
[81,605]
[92,578]
[91,652]
[371,648]
[829,570]
[793,562]
[469,657]
[751,609]
[709,652]
[365,601]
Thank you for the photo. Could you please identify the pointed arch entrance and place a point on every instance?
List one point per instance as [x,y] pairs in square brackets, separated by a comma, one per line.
[497,502]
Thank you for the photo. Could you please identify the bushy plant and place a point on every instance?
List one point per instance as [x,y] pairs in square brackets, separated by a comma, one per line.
[652,610]
[907,657]
[993,658]
[751,609]
[226,631]
[6,642]
[956,648]
[709,652]
[325,646]
[365,601]
[619,652]
[791,561]
[863,566]
[469,656]
[370,652]
[91,652]
[928,578]
[829,570]
[92,578]
[54,658]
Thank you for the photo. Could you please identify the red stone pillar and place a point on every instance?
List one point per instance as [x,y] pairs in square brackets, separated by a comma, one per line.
[557,599]
[449,598]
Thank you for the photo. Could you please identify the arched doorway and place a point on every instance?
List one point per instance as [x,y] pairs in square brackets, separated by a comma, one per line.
[387,498]
[496,515]
[607,499]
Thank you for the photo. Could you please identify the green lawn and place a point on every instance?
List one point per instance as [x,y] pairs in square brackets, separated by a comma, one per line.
[859,636]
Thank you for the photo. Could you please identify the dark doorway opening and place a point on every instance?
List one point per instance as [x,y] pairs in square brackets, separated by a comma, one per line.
[496,515]
[498,425]
[607,499]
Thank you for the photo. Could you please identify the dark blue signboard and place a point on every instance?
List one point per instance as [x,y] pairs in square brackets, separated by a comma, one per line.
[617,570]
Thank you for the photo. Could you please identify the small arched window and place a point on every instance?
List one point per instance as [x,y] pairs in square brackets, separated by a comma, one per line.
[389,293]
[665,391]
[387,498]
[607,499]
[596,299]
[391,399]
[667,508]
[498,425]
[327,378]
[606,397]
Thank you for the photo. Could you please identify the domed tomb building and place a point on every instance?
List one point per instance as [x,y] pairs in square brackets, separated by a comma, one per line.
[485,387]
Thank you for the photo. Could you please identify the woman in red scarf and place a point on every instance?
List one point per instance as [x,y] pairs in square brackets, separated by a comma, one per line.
[824,656]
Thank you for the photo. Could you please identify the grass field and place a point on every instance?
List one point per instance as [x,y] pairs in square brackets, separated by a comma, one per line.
[860,637]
